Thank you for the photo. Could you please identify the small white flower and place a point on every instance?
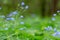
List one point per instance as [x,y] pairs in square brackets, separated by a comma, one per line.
[21,16]
[54,14]
[53,19]
[6,28]
[21,22]
[26,7]
[58,11]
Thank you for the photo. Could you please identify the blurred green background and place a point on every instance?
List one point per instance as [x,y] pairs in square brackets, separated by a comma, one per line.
[29,19]
[39,7]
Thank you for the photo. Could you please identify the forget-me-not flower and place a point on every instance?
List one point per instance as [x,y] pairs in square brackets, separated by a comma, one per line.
[49,28]
[2,16]
[10,19]
[13,13]
[56,34]
[22,4]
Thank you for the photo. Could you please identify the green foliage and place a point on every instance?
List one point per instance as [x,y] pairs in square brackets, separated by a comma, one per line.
[32,29]
[28,26]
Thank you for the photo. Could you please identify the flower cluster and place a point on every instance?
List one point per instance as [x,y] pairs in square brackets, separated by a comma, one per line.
[49,28]
[56,34]
[13,13]
[23,5]
[10,19]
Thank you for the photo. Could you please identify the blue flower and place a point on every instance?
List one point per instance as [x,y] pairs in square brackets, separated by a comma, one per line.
[10,19]
[22,4]
[56,34]
[13,13]
[55,30]
[2,16]
[49,28]
[10,15]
